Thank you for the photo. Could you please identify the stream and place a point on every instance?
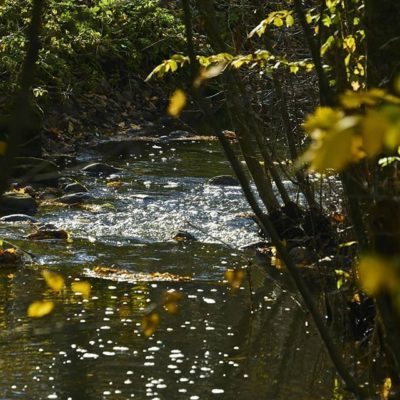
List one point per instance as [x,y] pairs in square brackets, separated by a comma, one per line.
[219,345]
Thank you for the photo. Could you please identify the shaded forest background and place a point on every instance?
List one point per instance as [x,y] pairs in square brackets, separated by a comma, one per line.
[302,90]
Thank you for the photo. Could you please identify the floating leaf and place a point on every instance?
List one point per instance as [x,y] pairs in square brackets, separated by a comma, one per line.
[39,309]
[82,288]
[149,323]
[176,103]
[234,278]
[53,280]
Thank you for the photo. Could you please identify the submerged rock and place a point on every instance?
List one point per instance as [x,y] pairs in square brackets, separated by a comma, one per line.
[18,218]
[76,198]
[75,187]
[17,203]
[100,169]
[223,180]
[183,236]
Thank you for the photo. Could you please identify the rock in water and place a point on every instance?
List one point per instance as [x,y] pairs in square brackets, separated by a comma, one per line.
[18,218]
[100,169]
[75,188]
[223,180]
[76,198]
[183,236]
[15,203]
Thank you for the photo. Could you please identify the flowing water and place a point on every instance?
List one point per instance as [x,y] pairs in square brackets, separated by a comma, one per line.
[219,345]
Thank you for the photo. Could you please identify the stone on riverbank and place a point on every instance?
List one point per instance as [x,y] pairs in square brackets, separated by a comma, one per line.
[17,203]
[76,198]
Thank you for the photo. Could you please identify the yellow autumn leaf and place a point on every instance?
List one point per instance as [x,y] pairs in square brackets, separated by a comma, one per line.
[150,323]
[289,20]
[39,309]
[349,44]
[3,147]
[278,21]
[373,129]
[336,148]
[53,280]
[210,72]
[376,273]
[177,102]
[234,278]
[323,118]
[82,288]
[386,386]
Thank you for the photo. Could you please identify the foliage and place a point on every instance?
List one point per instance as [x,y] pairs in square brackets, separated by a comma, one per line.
[341,135]
[86,43]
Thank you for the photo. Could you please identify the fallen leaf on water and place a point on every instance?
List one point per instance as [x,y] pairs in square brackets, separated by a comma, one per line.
[53,280]
[39,309]
[150,323]
[115,184]
[82,288]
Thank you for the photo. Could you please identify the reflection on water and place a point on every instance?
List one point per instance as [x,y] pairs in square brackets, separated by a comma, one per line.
[219,344]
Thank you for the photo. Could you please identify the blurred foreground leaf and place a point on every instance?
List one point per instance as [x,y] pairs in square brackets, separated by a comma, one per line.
[39,309]
[234,278]
[54,281]
[170,301]
[82,288]
[149,323]
[176,103]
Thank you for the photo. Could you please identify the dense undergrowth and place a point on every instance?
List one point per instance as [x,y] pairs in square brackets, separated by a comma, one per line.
[87,45]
